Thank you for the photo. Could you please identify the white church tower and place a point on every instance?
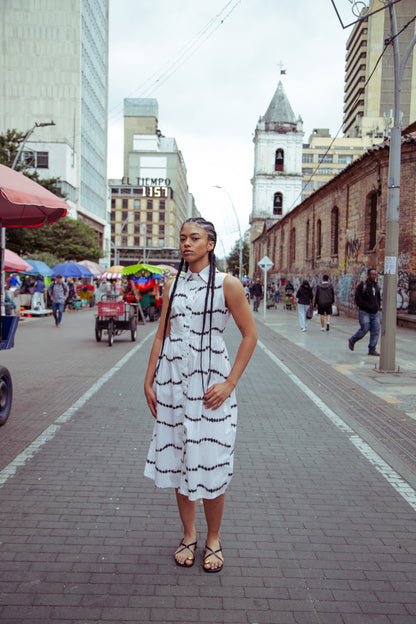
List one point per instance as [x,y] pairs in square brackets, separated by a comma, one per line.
[277,179]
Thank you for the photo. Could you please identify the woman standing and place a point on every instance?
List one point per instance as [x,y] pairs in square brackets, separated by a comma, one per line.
[305,298]
[189,387]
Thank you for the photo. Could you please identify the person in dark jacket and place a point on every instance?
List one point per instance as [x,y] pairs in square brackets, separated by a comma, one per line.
[305,298]
[368,300]
[257,294]
[324,298]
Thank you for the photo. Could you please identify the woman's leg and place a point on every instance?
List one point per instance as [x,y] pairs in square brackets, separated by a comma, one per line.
[187,515]
[213,508]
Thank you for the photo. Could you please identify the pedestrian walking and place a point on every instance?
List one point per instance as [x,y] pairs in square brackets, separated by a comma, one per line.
[189,387]
[304,296]
[257,294]
[324,298]
[368,300]
[58,292]
[38,300]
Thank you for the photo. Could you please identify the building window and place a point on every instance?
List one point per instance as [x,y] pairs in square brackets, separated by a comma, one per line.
[149,229]
[307,187]
[326,158]
[162,217]
[319,238]
[161,230]
[137,204]
[292,245]
[162,204]
[149,216]
[137,216]
[307,171]
[334,230]
[149,204]
[137,241]
[161,242]
[113,215]
[279,159]
[137,228]
[113,228]
[325,171]
[124,240]
[125,203]
[307,158]
[42,160]
[344,159]
[149,241]
[124,215]
[307,254]
[371,221]
[278,204]
[113,204]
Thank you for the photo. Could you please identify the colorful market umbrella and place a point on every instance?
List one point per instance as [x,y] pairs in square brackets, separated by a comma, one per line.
[95,268]
[71,269]
[114,272]
[39,268]
[13,262]
[24,202]
[136,268]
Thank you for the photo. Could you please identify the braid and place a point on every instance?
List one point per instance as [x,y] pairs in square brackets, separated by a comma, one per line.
[172,294]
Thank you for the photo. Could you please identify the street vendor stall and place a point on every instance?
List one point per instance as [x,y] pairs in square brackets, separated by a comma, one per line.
[146,286]
[23,203]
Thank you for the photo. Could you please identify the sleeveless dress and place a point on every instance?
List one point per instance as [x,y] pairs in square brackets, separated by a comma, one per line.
[192,447]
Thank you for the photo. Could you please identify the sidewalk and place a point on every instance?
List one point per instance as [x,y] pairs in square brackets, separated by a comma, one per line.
[398,389]
[314,532]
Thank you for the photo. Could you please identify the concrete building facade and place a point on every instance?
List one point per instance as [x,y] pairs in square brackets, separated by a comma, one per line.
[152,200]
[340,229]
[368,111]
[54,66]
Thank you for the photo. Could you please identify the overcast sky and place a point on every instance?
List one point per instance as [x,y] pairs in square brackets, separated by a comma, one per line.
[213,66]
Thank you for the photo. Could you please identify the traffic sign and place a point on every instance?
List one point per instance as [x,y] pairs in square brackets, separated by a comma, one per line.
[265,263]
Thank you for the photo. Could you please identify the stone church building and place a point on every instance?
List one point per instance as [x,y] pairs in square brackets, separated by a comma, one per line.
[340,228]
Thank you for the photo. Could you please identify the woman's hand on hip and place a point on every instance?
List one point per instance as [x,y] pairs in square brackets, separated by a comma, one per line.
[216,394]
[151,400]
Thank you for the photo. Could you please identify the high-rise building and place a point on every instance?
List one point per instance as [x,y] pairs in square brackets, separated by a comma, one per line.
[54,66]
[150,203]
[324,157]
[368,111]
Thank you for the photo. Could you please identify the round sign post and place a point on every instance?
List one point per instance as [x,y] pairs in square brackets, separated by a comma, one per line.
[265,264]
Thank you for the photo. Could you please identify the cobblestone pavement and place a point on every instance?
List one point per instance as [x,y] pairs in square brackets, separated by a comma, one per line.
[318,529]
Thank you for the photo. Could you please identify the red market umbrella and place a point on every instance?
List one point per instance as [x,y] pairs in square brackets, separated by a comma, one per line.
[25,203]
[13,262]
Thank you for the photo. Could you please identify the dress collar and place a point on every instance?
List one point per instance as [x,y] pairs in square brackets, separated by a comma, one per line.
[203,275]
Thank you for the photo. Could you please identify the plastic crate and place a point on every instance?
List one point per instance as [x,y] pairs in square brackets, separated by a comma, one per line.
[110,308]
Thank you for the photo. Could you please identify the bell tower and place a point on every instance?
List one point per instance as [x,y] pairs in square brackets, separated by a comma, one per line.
[277,179]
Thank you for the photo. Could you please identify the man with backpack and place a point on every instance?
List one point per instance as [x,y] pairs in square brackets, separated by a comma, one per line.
[324,298]
[58,292]
[368,300]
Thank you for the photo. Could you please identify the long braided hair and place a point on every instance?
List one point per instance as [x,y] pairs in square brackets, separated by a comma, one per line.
[212,236]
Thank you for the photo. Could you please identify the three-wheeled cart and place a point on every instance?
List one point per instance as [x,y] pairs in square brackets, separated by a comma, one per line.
[115,317]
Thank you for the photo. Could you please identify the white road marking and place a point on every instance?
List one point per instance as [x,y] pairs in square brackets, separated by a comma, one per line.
[53,429]
[395,480]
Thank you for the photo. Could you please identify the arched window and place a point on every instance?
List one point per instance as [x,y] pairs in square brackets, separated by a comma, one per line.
[278,204]
[292,245]
[334,230]
[371,221]
[279,160]
[318,238]
[307,239]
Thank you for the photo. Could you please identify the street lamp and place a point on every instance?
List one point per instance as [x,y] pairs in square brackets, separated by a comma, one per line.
[240,261]
[389,316]
[29,132]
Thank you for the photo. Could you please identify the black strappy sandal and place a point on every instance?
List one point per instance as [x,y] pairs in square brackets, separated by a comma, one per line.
[188,546]
[213,552]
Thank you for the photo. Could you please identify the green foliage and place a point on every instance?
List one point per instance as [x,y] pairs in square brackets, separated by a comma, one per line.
[66,239]
[233,259]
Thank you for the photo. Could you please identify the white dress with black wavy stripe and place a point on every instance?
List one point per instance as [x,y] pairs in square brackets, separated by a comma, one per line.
[192,447]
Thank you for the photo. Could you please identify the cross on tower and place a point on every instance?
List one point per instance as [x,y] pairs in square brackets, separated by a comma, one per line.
[282,70]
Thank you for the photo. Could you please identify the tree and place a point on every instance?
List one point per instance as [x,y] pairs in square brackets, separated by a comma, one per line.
[233,259]
[67,239]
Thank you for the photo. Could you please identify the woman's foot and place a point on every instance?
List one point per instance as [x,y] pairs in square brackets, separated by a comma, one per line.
[213,559]
[185,553]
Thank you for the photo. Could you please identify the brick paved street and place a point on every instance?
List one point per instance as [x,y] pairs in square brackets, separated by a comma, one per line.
[317,529]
